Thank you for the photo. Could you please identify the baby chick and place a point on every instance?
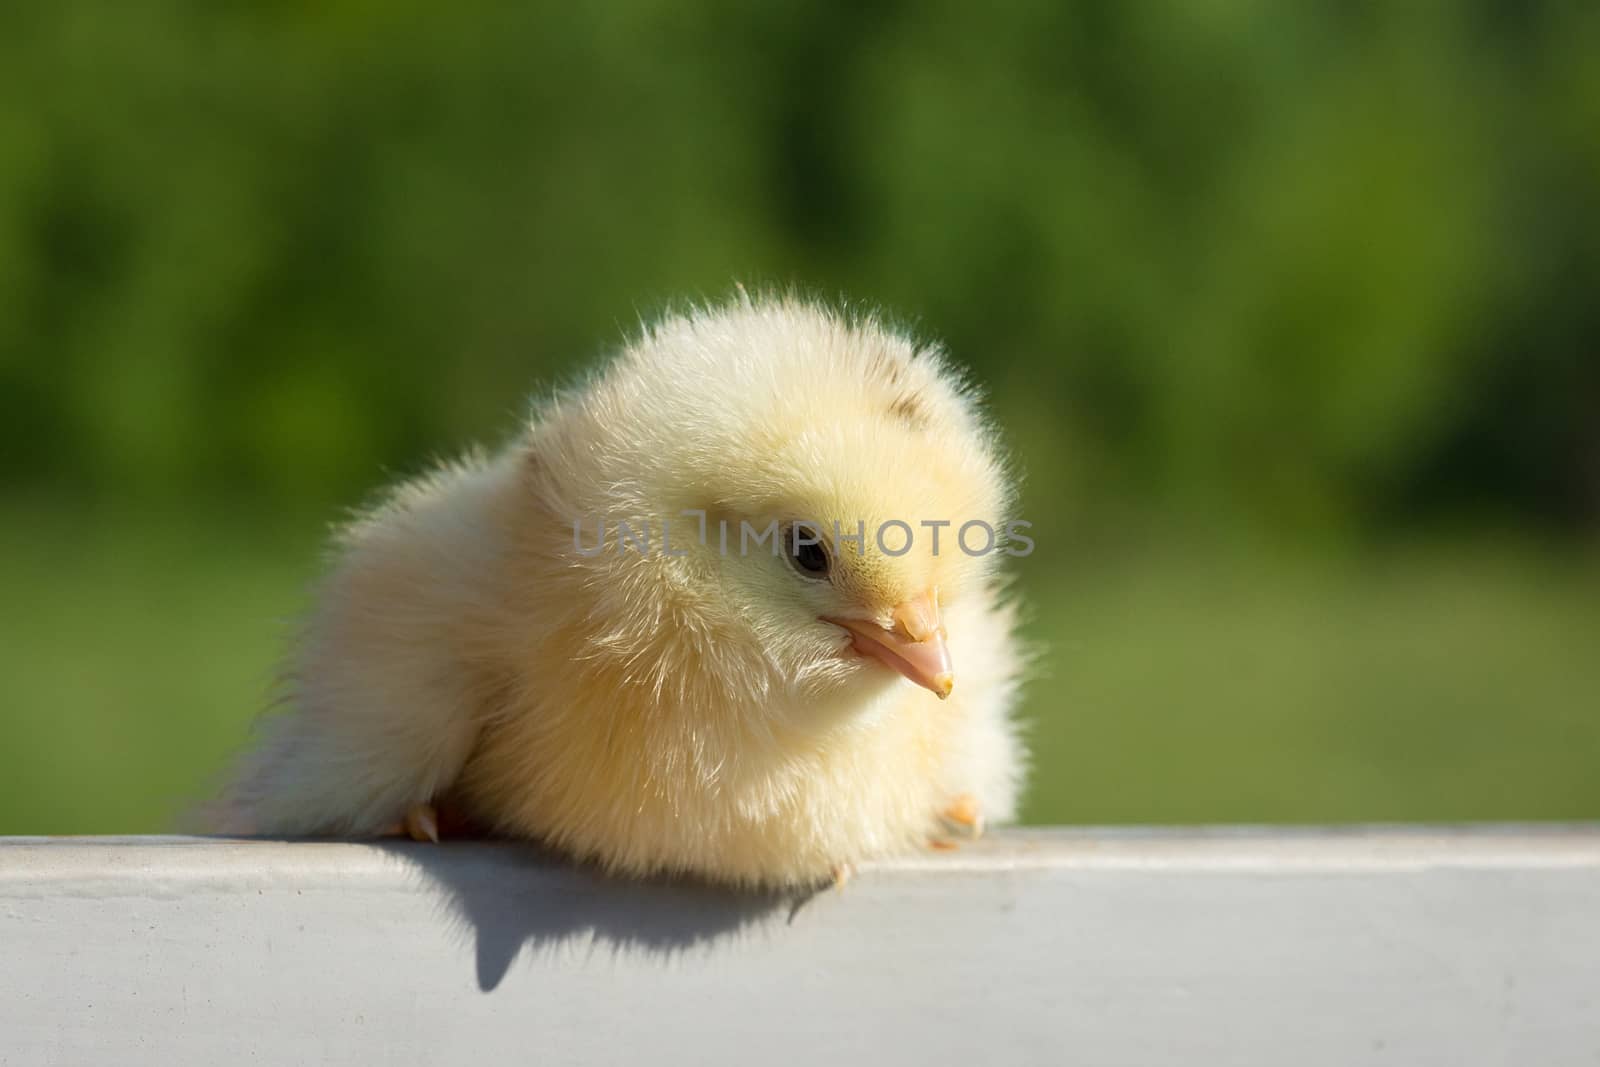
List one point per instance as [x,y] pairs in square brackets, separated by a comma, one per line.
[762,711]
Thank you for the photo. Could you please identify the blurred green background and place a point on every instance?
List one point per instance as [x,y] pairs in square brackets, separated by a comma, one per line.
[1290,312]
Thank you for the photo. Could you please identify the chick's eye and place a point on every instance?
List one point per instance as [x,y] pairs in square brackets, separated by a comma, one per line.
[807,553]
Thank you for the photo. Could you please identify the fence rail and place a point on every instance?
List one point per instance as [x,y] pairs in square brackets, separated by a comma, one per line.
[1399,945]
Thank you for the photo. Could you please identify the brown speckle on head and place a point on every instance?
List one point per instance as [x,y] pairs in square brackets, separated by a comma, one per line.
[908,407]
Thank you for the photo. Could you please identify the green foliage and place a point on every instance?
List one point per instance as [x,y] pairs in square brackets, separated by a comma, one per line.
[1281,263]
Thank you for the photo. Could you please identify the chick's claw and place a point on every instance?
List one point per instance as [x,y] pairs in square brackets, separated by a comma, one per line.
[422,823]
[963,818]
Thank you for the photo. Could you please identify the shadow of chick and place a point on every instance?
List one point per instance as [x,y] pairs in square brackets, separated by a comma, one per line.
[508,896]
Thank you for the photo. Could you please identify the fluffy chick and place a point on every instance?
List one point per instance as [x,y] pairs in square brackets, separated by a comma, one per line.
[738,715]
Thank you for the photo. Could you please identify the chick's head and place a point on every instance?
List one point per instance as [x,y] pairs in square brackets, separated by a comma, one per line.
[831,493]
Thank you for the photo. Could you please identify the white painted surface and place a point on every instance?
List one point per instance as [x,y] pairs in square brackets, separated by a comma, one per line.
[1398,946]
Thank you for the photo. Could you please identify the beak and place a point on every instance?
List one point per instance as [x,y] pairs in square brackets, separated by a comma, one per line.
[914,645]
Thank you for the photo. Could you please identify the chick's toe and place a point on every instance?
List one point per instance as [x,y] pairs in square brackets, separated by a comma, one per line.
[422,823]
[963,818]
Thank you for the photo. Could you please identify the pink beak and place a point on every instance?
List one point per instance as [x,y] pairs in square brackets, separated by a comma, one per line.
[914,645]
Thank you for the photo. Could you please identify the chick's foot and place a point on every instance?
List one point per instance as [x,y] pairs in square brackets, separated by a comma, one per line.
[963,819]
[421,823]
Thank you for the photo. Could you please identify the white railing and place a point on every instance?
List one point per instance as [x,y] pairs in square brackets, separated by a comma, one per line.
[1148,947]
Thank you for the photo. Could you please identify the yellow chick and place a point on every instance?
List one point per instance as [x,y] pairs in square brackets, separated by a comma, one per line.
[638,635]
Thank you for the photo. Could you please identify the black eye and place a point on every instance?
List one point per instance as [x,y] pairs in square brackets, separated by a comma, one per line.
[807,552]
